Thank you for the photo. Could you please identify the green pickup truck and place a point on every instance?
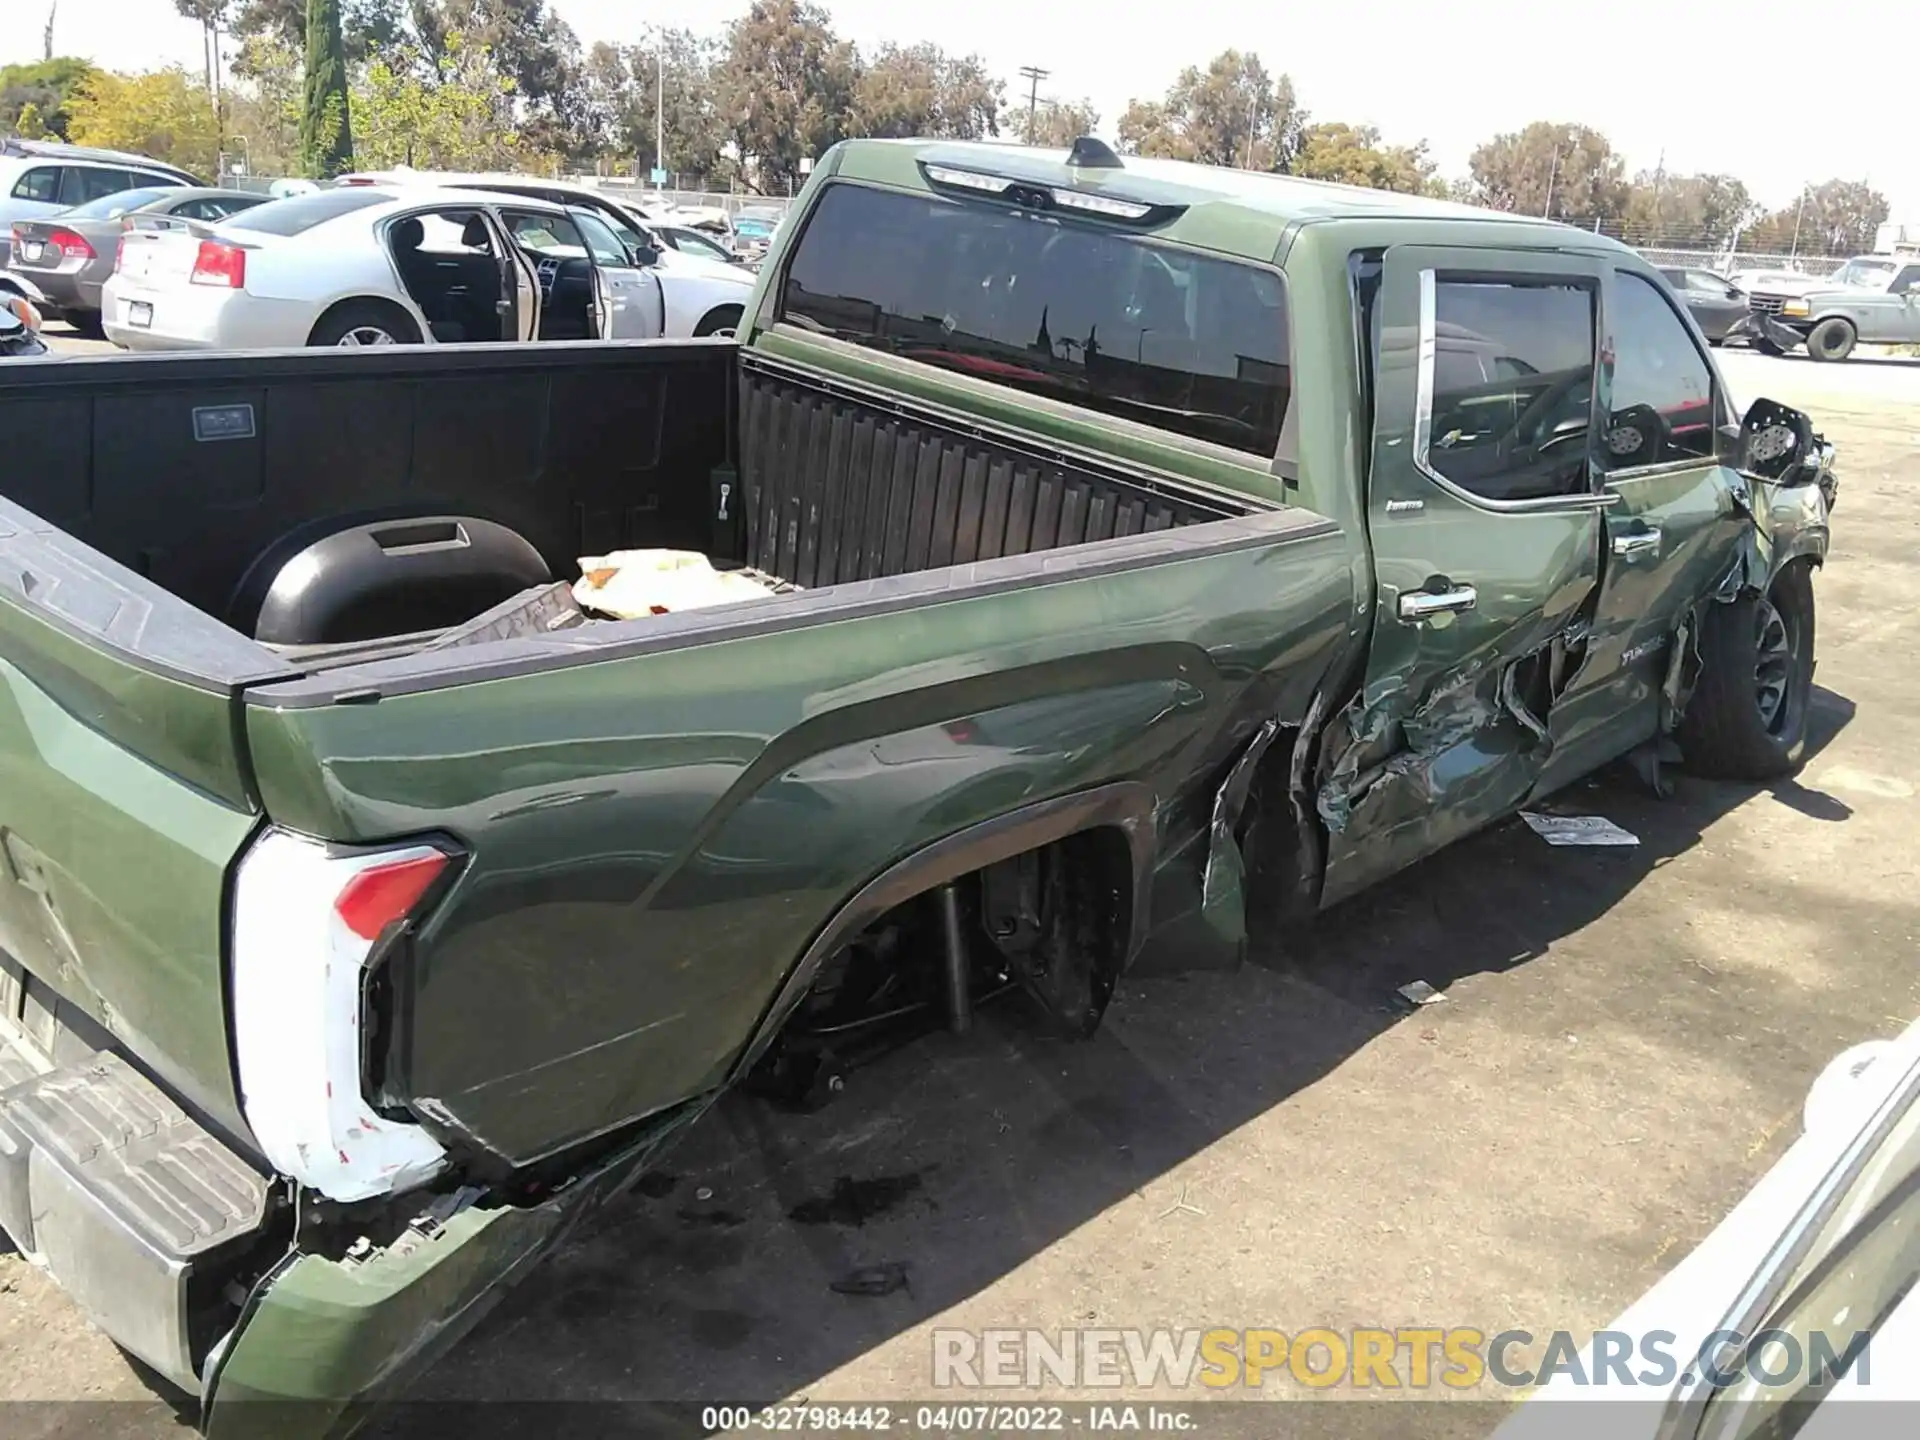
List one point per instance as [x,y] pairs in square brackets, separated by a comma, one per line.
[1156,555]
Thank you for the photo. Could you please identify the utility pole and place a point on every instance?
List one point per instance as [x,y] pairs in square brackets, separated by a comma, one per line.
[1034,75]
[1794,253]
[47,38]
[1553,170]
[1253,124]
[660,109]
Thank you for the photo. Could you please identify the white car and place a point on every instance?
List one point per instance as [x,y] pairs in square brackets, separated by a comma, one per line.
[704,292]
[42,177]
[372,266]
[1794,1315]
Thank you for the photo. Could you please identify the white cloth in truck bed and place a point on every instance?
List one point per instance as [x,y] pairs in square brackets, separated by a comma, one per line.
[629,584]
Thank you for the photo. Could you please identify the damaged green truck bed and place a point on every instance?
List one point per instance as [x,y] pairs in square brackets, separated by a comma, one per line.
[1165,554]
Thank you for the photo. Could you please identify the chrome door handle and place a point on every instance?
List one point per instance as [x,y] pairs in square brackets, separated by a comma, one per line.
[1637,543]
[1418,605]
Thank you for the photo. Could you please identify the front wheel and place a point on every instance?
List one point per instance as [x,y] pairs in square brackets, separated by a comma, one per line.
[1831,340]
[1747,719]
[722,320]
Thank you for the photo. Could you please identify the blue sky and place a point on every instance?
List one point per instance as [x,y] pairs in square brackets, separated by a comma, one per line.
[1680,78]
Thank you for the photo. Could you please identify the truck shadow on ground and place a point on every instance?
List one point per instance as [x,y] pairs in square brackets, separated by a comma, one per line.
[961,1159]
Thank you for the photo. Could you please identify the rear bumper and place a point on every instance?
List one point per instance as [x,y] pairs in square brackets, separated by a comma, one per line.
[66,293]
[323,1340]
[131,1205]
[202,317]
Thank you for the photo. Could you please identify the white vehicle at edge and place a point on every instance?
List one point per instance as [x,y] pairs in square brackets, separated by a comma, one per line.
[372,266]
[1799,1315]
[703,296]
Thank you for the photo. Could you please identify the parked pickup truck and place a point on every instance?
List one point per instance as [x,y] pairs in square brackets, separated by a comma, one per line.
[1872,298]
[1164,554]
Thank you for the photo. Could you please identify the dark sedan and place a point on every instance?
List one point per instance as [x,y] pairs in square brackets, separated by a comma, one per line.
[70,255]
[1716,302]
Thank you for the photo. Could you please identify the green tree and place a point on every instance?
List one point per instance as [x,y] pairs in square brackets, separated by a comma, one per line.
[165,113]
[1057,124]
[367,27]
[460,119]
[1231,113]
[1685,210]
[620,87]
[786,86]
[1837,217]
[47,85]
[1567,171]
[326,128]
[921,90]
[264,105]
[1353,155]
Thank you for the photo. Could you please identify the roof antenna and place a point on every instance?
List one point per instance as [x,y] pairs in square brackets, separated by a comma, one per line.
[1089,153]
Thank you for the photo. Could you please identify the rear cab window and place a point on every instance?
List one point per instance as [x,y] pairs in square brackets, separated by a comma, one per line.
[1101,318]
[300,213]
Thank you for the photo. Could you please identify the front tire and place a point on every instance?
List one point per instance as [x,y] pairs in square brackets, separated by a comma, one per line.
[1832,340]
[364,322]
[721,320]
[1747,719]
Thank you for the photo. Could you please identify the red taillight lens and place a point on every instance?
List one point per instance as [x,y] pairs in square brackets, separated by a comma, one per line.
[71,244]
[376,897]
[120,252]
[219,264]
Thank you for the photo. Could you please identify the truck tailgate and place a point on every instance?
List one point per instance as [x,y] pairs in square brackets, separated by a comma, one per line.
[123,798]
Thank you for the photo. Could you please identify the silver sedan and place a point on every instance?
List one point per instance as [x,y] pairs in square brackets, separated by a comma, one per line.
[367,265]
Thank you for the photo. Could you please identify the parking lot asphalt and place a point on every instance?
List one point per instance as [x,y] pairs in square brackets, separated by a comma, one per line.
[1624,1044]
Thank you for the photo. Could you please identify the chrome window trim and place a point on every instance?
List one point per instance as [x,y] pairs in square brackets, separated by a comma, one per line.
[1423,430]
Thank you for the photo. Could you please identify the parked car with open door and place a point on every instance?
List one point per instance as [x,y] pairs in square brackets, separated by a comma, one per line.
[371,266]
[703,289]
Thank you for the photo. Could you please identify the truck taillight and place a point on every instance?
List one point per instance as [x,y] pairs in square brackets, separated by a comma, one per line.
[71,244]
[308,919]
[219,264]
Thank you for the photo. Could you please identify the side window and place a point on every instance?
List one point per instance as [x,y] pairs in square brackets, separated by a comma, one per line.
[1663,408]
[1512,388]
[1907,281]
[42,183]
[602,244]
[88,182]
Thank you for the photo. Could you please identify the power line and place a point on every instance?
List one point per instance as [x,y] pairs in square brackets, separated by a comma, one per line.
[1034,75]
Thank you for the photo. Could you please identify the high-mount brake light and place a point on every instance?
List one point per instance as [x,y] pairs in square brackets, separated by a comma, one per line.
[969,179]
[307,922]
[1101,205]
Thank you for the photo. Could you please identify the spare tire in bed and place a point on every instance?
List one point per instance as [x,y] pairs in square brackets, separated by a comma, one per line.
[396,577]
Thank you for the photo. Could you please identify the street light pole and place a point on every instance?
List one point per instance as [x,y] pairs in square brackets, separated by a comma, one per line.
[659,108]
[1033,74]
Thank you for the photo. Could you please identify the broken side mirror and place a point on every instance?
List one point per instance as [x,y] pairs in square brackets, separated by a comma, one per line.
[1775,440]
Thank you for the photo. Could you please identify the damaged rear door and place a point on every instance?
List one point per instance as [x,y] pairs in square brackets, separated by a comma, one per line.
[1486,526]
